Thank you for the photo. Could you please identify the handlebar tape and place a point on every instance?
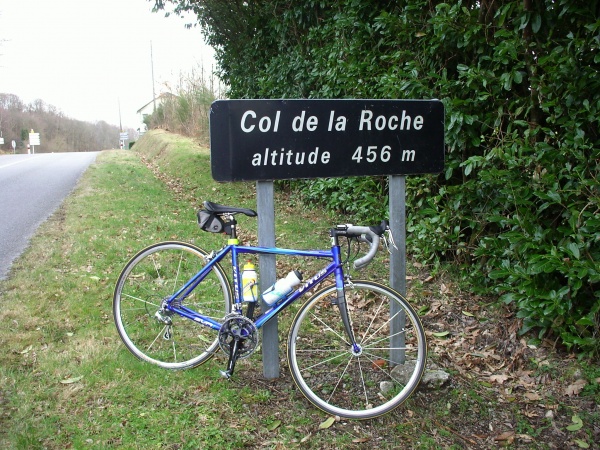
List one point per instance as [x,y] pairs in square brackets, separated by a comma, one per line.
[370,235]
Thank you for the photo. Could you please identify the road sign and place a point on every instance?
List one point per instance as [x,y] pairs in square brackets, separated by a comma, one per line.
[285,139]
[1,141]
[124,136]
[34,139]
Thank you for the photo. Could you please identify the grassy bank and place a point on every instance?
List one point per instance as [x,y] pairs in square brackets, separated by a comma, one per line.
[68,382]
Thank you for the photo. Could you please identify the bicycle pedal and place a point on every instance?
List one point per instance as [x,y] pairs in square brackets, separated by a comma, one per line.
[225,374]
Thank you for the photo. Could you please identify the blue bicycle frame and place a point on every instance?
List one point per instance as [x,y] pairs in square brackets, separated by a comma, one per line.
[335,266]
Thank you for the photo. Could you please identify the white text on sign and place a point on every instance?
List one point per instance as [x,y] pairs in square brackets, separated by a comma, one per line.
[367,122]
[370,154]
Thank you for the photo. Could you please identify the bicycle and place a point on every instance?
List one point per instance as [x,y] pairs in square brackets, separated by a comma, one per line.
[355,348]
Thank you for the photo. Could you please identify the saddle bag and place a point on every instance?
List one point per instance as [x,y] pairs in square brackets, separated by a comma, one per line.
[209,221]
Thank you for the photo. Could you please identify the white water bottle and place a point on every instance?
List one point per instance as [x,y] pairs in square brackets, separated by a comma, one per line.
[282,287]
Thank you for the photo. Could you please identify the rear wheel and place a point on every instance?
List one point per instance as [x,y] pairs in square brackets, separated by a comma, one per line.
[155,334]
[371,379]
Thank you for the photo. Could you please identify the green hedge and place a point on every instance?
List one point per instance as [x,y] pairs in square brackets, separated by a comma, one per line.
[518,204]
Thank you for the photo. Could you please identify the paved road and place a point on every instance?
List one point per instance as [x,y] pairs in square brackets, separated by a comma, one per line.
[31,188]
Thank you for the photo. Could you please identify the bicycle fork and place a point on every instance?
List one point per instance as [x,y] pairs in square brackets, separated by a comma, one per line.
[340,301]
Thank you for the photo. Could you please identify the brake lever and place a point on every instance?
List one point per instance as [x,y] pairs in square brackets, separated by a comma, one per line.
[388,238]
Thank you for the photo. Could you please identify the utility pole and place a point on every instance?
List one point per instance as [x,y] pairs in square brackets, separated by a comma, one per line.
[120,123]
[123,135]
[153,92]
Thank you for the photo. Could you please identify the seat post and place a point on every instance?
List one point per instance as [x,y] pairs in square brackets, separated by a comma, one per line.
[233,233]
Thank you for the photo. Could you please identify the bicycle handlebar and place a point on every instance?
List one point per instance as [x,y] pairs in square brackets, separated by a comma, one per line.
[371,235]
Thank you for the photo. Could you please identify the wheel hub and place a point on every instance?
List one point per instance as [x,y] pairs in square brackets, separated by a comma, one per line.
[356,350]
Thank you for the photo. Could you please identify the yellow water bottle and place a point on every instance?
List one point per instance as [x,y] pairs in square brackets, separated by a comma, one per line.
[249,286]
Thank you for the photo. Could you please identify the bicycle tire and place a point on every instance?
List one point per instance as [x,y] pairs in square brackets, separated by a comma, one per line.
[361,384]
[153,274]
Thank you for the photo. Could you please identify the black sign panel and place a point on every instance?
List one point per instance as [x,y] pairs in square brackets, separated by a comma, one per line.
[285,139]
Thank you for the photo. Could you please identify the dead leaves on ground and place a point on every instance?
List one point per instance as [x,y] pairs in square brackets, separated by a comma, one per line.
[481,342]
[575,388]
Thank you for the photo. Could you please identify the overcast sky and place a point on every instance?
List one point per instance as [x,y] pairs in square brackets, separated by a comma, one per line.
[87,56]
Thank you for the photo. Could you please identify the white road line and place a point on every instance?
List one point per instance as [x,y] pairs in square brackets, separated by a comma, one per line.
[17,162]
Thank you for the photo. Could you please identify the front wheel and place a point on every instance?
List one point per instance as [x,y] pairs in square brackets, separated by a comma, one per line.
[368,380]
[155,334]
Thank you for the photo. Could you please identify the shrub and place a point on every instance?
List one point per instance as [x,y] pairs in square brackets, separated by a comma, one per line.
[518,204]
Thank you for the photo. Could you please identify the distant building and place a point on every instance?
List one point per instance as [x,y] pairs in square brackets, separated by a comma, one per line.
[148,108]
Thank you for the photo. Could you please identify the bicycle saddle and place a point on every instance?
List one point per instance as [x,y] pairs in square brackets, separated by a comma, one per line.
[222,209]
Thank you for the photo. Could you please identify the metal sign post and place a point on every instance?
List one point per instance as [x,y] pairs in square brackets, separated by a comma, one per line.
[266,238]
[397,208]
[266,140]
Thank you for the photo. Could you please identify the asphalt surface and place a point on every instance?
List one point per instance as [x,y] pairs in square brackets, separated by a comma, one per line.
[31,189]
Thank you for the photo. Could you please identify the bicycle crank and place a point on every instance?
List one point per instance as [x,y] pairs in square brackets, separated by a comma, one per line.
[238,338]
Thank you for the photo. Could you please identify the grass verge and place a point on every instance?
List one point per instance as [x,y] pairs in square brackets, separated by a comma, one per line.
[68,382]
